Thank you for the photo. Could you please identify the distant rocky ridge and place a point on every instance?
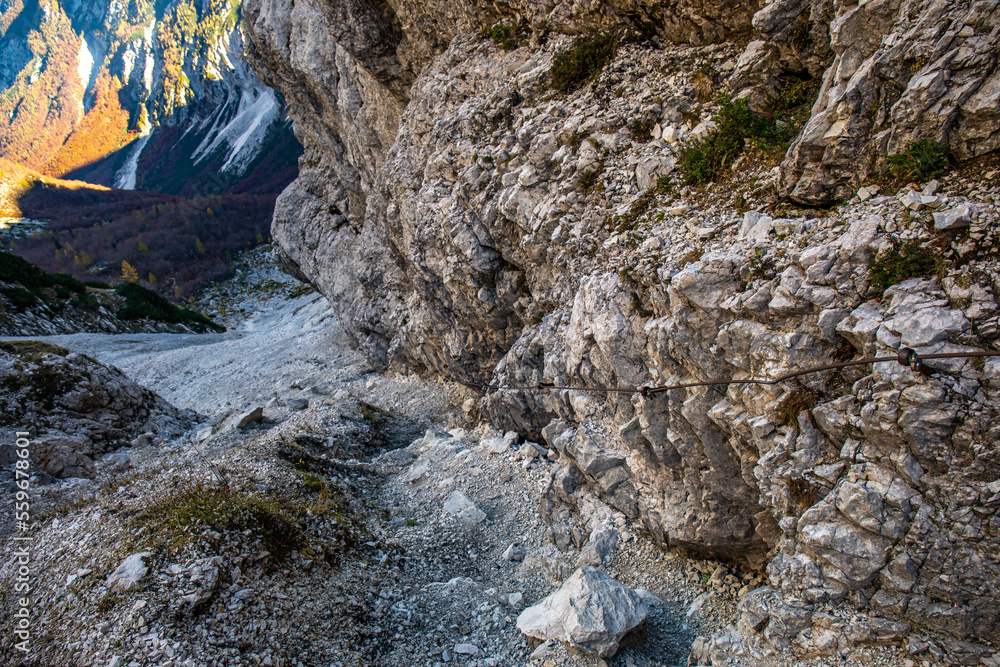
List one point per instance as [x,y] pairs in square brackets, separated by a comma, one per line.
[143,95]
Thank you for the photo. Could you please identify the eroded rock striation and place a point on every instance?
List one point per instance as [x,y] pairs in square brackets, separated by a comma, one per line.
[466,221]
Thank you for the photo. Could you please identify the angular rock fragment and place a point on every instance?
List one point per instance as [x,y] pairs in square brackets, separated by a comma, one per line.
[953,218]
[250,417]
[459,506]
[129,574]
[590,612]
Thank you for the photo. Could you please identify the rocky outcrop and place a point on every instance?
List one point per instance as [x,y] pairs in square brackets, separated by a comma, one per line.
[895,73]
[467,221]
[76,409]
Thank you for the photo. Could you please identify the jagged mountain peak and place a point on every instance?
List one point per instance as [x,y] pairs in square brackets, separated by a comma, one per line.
[139,95]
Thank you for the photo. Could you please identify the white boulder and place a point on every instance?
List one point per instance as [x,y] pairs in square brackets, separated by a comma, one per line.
[459,506]
[590,612]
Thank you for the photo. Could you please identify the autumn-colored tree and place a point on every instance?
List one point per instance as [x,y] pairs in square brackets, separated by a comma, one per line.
[129,274]
[143,248]
[199,246]
[178,294]
[151,279]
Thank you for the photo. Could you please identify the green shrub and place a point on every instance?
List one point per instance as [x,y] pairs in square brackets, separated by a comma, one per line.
[795,100]
[921,161]
[761,265]
[641,130]
[86,302]
[508,37]
[704,160]
[902,261]
[803,398]
[178,519]
[583,61]
[589,178]
[141,303]
[13,269]
[20,299]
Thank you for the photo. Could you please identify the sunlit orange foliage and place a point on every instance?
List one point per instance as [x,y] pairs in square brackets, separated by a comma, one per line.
[36,117]
[103,131]
[8,15]
[16,181]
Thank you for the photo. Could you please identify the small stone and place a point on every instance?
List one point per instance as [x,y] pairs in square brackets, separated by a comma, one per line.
[911,200]
[954,218]
[867,192]
[514,553]
[297,403]
[931,201]
[143,440]
[547,649]
[496,445]
[653,243]
[459,506]
[528,451]
[467,649]
[250,417]
[417,473]
[129,574]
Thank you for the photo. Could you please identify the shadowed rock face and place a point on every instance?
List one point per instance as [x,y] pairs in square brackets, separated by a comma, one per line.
[900,72]
[440,209]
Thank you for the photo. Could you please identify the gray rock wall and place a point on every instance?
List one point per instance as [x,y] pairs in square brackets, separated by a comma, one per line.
[901,72]
[440,208]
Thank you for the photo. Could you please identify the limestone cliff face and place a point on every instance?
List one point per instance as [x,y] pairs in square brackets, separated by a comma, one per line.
[466,220]
[901,71]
